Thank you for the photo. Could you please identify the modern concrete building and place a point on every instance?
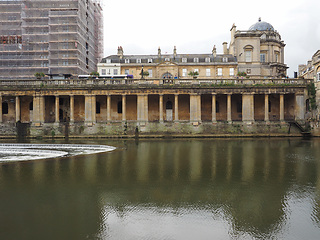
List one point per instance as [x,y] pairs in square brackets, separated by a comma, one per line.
[58,37]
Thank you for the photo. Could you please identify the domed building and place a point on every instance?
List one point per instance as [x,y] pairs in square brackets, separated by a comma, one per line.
[259,51]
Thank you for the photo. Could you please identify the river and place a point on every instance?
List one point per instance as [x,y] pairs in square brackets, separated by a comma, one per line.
[166,189]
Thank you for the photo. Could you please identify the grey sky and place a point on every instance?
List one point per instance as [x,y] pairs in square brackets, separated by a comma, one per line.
[141,26]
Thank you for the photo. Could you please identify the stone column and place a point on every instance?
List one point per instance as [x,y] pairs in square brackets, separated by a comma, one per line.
[124,108]
[195,108]
[176,107]
[71,109]
[248,108]
[229,108]
[108,108]
[94,109]
[0,109]
[88,110]
[18,109]
[142,108]
[281,108]
[161,108]
[57,110]
[38,110]
[214,110]
[299,107]
[266,108]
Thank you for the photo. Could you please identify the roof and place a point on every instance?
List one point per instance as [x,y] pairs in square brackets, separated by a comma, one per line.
[261,26]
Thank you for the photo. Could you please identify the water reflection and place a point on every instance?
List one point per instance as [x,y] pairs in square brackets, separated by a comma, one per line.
[242,189]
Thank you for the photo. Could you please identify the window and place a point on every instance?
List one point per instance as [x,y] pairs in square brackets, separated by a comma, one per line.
[108,60]
[262,57]
[196,60]
[126,71]
[207,60]
[248,57]
[167,59]
[109,71]
[115,71]
[184,72]
[120,107]
[150,72]
[231,71]
[219,71]
[138,60]
[97,107]
[318,76]
[208,72]
[277,57]
[196,70]
[225,59]
[184,60]
[5,108]
[103,71]
[127,60]
[150,60]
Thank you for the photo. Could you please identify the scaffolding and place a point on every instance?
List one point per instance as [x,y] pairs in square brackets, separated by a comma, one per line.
[56,37]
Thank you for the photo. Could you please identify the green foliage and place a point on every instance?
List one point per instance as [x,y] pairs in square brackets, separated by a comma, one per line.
[145,73]
[94,74]
[242,74]
[193,73]
[312,96]
[39,75]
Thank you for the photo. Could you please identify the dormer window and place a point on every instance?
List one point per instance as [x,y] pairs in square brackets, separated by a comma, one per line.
[108,61]
[207,60]
[196,60]
[150,60]
[184,60]
[127,60]
[138,60]
[225,59]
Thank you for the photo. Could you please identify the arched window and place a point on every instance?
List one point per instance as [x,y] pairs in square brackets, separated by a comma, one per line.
[97,107]
[5,109]
[169,105]
[120,107]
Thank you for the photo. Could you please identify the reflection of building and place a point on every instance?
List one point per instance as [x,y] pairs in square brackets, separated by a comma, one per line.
[257,52]
[52,37]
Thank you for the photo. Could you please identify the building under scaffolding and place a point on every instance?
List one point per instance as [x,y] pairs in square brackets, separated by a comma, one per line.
[56,37]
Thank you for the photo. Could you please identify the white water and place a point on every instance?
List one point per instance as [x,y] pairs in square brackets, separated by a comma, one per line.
[27,152]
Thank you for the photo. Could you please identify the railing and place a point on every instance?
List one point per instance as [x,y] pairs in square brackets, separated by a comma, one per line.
[155,82]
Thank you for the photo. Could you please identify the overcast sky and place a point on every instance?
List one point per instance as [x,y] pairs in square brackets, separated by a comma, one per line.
[141,26]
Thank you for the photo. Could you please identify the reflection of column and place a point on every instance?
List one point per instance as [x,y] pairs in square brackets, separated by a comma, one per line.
[229,108]
[281,107]
[71,108]
[0,109]
[124,108]
[161,107]
[300,107]
[57,109]
[108,108]
[266,107]
[195,160]
[214,110]
[17,108]
[176,107]
[247,107]
[248,161]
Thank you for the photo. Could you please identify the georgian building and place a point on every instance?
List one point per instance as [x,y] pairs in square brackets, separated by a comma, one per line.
[257,52]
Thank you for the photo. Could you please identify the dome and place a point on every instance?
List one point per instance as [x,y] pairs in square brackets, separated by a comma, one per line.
[261,26]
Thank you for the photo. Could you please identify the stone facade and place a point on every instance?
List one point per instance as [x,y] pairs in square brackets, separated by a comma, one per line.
[105,107]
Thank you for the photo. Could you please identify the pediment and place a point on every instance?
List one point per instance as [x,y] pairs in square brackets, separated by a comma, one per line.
[167,64]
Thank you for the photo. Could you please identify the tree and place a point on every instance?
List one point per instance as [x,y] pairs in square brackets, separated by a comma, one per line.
[193,74]
[39,75]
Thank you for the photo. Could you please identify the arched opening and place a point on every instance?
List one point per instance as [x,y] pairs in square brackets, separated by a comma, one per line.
[167,75]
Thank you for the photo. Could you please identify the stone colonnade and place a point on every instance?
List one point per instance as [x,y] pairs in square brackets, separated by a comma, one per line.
[152,107]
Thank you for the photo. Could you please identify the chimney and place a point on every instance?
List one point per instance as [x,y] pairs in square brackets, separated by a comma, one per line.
[159,52]
[225,48]
[214,51]
[174,52]
[120,52]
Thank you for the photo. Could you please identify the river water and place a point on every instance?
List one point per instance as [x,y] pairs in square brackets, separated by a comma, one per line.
[167,189]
